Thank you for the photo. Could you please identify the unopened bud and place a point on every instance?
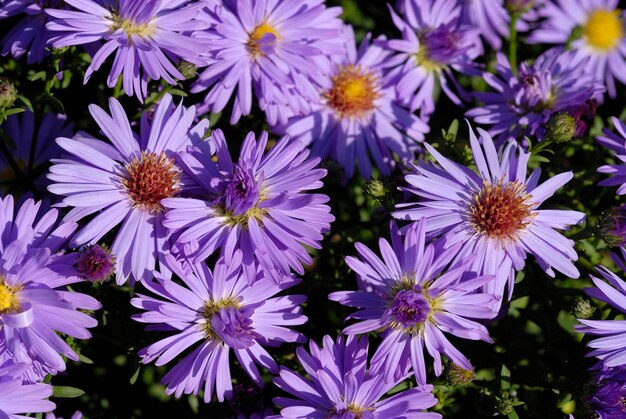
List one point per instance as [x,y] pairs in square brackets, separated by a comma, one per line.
[561,127]
[519,6]
[375,189]
[458,376]
[504,406]
[583,308]
[613,227]
[95,263]
[8,94]
[188,70]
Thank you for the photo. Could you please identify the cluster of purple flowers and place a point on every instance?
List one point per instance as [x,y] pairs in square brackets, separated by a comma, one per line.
[211,242]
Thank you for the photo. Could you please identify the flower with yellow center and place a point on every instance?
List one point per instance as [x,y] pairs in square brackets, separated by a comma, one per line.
[132,28]
[256,38]
[9,302]
[212,307]
[604,29]
[353,93]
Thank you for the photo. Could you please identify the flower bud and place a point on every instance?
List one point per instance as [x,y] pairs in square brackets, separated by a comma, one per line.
[95,263]
[613,227]
[519,6]
[458,376]
[375,189]
[561,127]
[8,94]
[188,70]
[583,308]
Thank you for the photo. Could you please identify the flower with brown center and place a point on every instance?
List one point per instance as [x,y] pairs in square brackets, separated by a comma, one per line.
[150,178]
[500,211]
[353,93]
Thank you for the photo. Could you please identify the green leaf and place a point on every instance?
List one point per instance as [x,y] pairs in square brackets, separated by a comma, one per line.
[66,392]
[13,111]
[133,378]
[82,358]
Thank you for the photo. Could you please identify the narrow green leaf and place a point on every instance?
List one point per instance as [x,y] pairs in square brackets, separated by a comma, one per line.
[66,392]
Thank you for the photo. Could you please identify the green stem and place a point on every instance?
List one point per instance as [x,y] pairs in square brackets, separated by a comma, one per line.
[164,90]
[118,88]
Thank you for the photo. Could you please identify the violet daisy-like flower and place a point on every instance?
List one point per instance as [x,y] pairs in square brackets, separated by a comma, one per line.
[494,213]
[18,397]
[149,37]
[523,103]
[124,182]
[212,313]
[608,347]
[616,142]
[493,17]
[34,306]
[414,299]
[23,163]
[340,385]
[608,400]
[260,204]
[28,36]
[359,117]
[598,30]
[269,47]
[434,43]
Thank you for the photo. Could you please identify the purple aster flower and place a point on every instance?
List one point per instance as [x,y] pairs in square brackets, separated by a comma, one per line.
[493,17]
[28,36]
[260,205]
[522,104]
[597,27]
[490,16]
[340,385]
[18,397]
[434,42]
[270,46]
[616,142]
[95,263]
[609,347]
[149,37]
[358,116]
[410,295]
[609,398]
[33,302]
[212,313]
[124,182]
[494,213]
[23,163]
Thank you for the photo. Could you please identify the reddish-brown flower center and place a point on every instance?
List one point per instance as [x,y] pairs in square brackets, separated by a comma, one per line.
[501,210]
[353,93]
[151,178]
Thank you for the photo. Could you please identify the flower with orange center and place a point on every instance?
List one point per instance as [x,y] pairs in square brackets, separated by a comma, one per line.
[495,214]
[353,93]
[124,181]
[500,211]
[151,178]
